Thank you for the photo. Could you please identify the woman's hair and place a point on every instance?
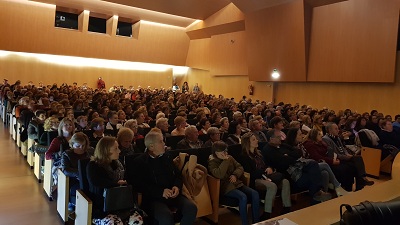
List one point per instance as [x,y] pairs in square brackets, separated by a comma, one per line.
[291,136]
[222,120]
[232,127]
[111,114]
[246,144]
[62,123]
[313,134]
[275,120]
[48,123]
[96,122]
[125,133]
[102,152]
[212,130]
[78,120]
[130,123]
[179,120]
[203,122]
[294,124]
[80,138]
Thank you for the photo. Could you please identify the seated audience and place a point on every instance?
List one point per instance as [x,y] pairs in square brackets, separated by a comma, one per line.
[214,134]
[191,139]
[125,139]
[112,126]
[256,128]
[235,131]
[50,125]
[388,136]
[305,174]
[317,149]
[229,171]
[140,117]
[261,174]
[81,124]
[180,124]
[97,127]
[277,124]
[106,171]
[160,183]
[162,124]
[35,127]
[337,149]
[204,124]
[79,149]
[132,124]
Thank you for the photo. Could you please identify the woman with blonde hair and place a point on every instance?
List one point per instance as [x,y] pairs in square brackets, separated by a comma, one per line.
[106,171]
[263,177]
[50,124]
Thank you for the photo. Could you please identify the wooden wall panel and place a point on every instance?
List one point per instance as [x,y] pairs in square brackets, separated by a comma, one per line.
[275,39]
[354,41]
[27,69]
[228,54]
[362,97]
[29,27]
[228,14]
[228,86]
[199,54]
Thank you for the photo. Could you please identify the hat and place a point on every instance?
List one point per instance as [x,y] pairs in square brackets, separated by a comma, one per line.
[219,146]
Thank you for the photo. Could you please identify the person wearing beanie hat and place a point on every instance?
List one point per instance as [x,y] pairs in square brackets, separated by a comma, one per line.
[224,167]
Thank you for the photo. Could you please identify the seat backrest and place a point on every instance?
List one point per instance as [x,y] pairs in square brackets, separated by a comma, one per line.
[140,146]
[172,141]
[50,136]
[129,167]
[396,168]
[364,140]
[204,137]
[83,181]
[235,151]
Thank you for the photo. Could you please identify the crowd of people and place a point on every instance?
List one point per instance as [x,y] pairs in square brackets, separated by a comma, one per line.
[301,148]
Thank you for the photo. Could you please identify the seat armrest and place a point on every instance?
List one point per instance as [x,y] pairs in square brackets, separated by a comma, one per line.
[214,188]
[83,209]
[62,195]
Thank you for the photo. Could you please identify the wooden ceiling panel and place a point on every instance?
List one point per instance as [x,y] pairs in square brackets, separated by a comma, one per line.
[316,3]
[196,9]
[255,5]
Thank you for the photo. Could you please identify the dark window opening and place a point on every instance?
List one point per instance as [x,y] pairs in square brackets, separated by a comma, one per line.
[124,29]
[97,25]
[66,20]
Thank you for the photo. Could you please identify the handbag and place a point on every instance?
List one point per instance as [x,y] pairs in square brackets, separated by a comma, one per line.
[118,198]
[275,177]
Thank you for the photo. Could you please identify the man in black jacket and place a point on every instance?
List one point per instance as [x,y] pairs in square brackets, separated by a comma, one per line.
[161,183]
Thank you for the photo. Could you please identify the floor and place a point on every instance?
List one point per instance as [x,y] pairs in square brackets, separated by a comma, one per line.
[23,200]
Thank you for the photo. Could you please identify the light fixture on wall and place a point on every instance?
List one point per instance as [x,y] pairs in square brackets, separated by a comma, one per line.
[275,74]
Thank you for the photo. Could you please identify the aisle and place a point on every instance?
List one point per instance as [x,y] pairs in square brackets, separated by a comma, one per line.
[22,198]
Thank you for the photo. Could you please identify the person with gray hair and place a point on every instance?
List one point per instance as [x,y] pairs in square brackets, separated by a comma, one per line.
[125,138]
[162,124]
[191,139]
[337,149]
[160,183]
[214,134]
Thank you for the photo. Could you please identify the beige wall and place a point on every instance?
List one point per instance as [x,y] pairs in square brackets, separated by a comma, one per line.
[362,97]
[29,27]
[276,39]
[27,69]
[354,41]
